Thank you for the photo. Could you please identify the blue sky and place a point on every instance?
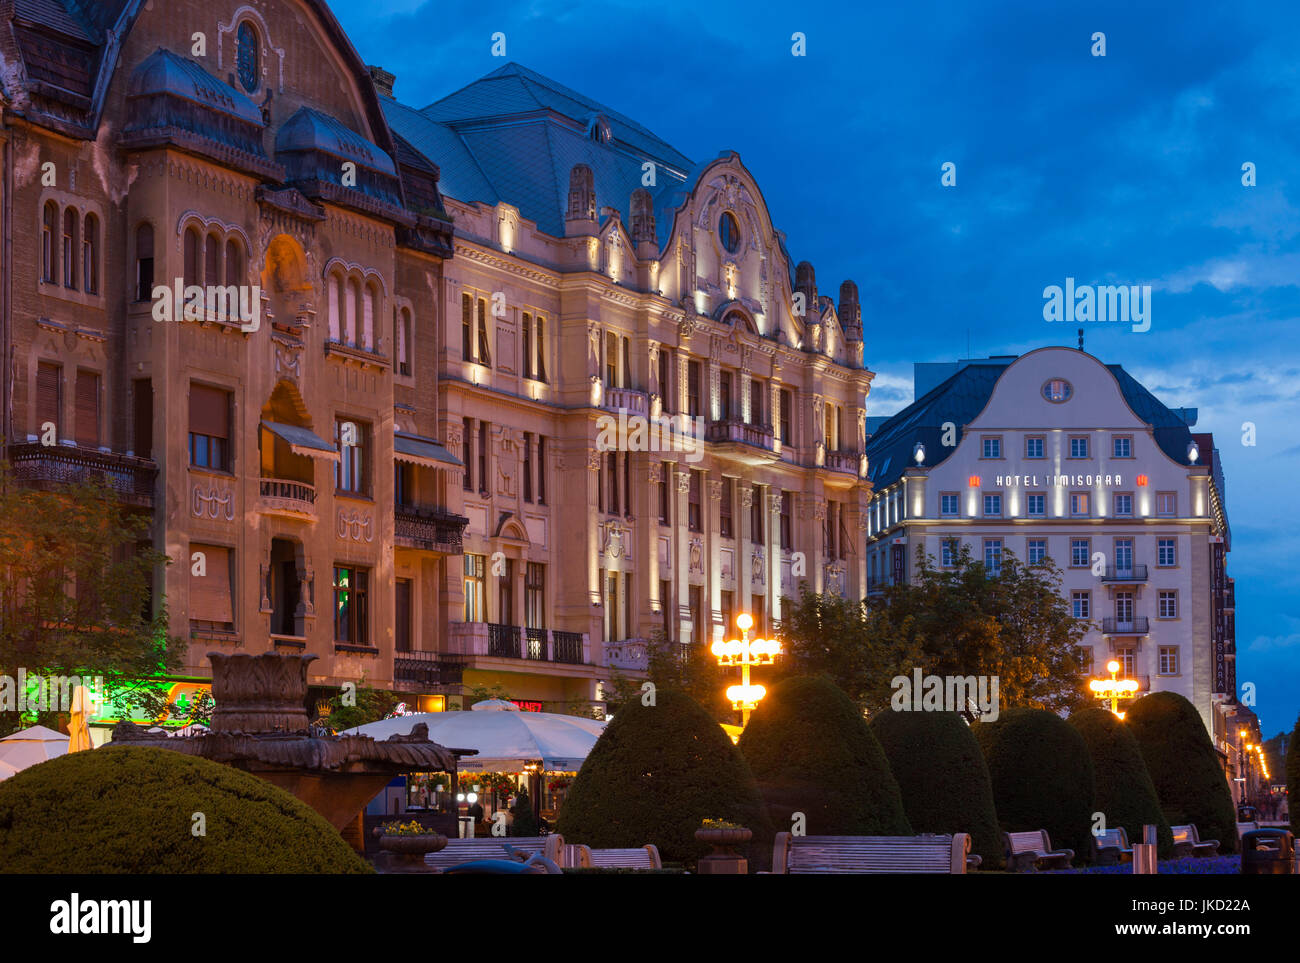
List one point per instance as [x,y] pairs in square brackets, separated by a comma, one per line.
[1118,169]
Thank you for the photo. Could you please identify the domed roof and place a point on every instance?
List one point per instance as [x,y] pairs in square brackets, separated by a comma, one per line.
[311,130]
[163,72]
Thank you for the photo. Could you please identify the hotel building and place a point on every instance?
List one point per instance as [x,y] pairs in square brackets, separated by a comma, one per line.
[1054,454]
[388,459]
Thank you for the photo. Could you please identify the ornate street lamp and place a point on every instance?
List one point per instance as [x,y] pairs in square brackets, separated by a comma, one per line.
[1114,688]
[745,652]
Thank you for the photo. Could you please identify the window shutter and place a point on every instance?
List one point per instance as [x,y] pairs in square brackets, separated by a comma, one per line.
[87,403]
[209,411]
[210,594]
[47,396]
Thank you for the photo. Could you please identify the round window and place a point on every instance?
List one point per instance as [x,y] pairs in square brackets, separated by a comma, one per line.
[247,57]
[729,232]
[1057,390]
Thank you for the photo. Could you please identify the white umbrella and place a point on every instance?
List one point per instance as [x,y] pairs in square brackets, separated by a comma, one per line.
[79,725]
[6,771]
[506,740]
[30,746]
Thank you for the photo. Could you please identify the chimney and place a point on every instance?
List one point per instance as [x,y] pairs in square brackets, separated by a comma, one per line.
[805,283]
[383,81]
[581,217]
[643,218]
[850,311]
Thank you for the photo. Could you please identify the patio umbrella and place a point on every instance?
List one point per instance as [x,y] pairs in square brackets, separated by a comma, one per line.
[79,725]
[6,771]
[506,739]
[30,746]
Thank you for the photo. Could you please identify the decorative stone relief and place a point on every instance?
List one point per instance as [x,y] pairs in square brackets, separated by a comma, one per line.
[655,473]
[819,509]
[774,504]
[758,565]
[683,482]
[747,496]
[615,539]
[593,461]
[354,524]
[715,490]
[835,578]
[213,501]
[697,556]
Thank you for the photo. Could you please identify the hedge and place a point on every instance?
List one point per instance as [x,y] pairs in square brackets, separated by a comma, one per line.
[1041,774]
[942,776]
[1125,796]
[132,810]
[1189,780]
[654,775]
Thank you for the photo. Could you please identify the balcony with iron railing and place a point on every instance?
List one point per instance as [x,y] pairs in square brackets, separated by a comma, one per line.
[286,496]
[1131,573]
[428,529]
[48,467]
[1137,625]
[494,640]
[426,670]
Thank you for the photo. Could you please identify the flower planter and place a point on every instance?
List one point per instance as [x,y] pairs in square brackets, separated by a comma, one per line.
[724,860]
[406,853]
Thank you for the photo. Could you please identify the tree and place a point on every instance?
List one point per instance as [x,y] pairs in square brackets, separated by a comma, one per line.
[942,777]
[1126,796]
[524,822]
[1293,779]
[349,709]
[655,773]
[1189,781]
[812,753]
[76,589]
[690,668]
[1042,776]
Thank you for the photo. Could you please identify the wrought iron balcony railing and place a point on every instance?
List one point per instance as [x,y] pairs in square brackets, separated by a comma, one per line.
[1132,573]
[51,466]
[1138,625]
[430,529]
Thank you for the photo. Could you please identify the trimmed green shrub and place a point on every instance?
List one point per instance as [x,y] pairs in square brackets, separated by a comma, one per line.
[131,810]
[812,752]
[1293,778]
[1041,774]
[1190,782]
[1126,796]
[655,774]
[942,776]
[524,822]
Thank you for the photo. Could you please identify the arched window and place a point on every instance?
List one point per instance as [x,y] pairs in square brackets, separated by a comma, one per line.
[248,55]
[70,232]
[90,255]
[402,341]
[234,262]
[192,257]
[49,242]
[144,262]
[212,260]
[351,307]
[368,298]
[335,297]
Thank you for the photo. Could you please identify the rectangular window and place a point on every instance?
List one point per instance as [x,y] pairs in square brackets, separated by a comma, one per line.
[528,466]
[831,529]
[757,528]
[1036,504]
[695,598]
[483,480]
[1166,552]
[403,473]
[1034,446]
[992,447]
[611,360]
[49,399]
[87,409]
[352,470]
[666,608]
[1079,504]
[948,552]
[694,403]
[1167,604]
[467,327]
[402,615]
[1084,654]
[787,417]
[1168,660]
[484,355]
[724,396]
[403,338]
[1166,503]
[1123,504]
[728,612]
[1122,446]
[993,556]
[992,505]
[611,464]
[725,524]
[787,521]
[541,469]
[526,327]
[539,338]
[142,430]
[1081,605]
[1124,557]
[475,588]
[467,452]
[209,427]
[351,605]
[1079,446]
[665,379]
[1037,550]
[1080,553]
[665,481]
[212,593]
[694,513]
[1127,657]
[535,595]
[1124,607]
[949,504]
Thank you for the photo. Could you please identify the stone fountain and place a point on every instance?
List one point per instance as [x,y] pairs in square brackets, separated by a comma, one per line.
[260,725]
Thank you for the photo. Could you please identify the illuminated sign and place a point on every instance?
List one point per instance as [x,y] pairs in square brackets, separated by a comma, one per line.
[1057,481]
[527,706]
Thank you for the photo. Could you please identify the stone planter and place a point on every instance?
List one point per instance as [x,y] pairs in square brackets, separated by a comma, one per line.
[405,854]
[724,860]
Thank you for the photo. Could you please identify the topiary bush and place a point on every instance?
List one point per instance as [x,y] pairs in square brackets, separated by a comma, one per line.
[524,822]
[1293,779]
[1125,795]
[942,776]
[131,810]
[654,775]
[1190,782]
[812,752]
[1041,774]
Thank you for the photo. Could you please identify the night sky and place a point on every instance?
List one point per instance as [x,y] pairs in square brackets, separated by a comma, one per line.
[1118,169]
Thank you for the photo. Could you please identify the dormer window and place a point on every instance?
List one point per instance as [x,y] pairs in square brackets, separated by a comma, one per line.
[729,232]
[248,57]
[598,129]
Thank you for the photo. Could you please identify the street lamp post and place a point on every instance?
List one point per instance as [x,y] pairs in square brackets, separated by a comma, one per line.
[746,652]
[1114,688]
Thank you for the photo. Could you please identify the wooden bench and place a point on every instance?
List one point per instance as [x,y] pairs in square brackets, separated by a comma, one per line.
[640,857]
[1188,842]
[1111,847]
[460,851]
[1033,850]
[872,854]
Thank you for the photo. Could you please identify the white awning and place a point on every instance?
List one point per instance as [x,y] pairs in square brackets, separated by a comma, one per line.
[423,451]
[303,441]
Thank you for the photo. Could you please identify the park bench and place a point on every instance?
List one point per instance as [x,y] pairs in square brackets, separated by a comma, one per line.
[460,851]
[872,854]
[1188,842]
[1030,850]
[1111,847]
[1243,828]
[640,857]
